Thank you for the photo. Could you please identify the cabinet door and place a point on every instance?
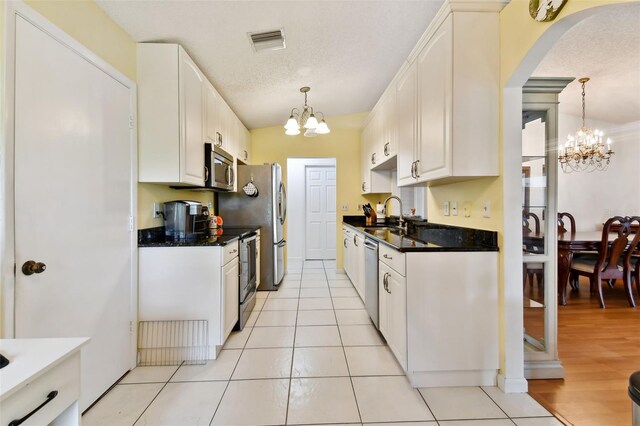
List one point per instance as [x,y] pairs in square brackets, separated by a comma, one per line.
[359,260]
[435,91]
[211,122]
[389,148]
[397,316]
[383,301]
[230,297]
[346,258]
[406,124]
[191,119]
[365,165]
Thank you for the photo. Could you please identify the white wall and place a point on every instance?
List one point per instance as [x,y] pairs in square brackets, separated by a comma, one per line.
[296,177]
[594,197]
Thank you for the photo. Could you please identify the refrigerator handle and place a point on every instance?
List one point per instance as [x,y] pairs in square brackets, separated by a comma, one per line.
[283,202]
[282,243]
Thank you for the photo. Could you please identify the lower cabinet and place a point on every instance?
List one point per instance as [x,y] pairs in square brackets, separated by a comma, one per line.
[438,312]
[191,283]
[347,244]
[358,260]
[392,305]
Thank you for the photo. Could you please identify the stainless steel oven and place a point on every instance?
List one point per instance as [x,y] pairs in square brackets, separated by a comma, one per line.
[218,168]
[247,277]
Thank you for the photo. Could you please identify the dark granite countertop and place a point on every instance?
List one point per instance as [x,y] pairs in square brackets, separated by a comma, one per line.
[154,237]
[423,236]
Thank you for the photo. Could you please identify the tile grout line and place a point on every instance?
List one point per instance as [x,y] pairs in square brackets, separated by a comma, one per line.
[344,353]
[293,350]
[158,394]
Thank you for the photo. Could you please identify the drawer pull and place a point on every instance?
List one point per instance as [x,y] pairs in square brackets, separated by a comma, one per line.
[387,257]
[50,398]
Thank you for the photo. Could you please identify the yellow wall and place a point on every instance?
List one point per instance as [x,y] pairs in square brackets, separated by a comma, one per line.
[271,145]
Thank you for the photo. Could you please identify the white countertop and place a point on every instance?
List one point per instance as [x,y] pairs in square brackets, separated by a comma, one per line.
[29,358]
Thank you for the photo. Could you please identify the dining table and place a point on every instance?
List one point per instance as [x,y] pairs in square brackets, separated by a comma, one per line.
[569,243]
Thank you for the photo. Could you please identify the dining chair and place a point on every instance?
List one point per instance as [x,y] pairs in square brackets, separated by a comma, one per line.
[631,264]
[529,270]
[561,223]
[608,264]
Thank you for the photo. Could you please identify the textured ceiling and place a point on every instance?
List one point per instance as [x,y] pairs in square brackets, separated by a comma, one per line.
[347,51]
[606,48]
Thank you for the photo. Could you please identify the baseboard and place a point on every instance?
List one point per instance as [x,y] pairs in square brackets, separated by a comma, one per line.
[432,379]
[294,263]
[543,370]
[508,385]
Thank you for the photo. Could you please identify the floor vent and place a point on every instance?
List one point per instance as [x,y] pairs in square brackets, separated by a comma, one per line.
[172,342]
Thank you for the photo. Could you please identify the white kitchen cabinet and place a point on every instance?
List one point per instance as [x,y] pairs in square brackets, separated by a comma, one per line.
[244,148]
[231,296]
[358,260]
[373,182]
[392,300]
[170,116]
[191,283]
[37,368]
[212,100]
[452,318]
[347,257]
[450,132]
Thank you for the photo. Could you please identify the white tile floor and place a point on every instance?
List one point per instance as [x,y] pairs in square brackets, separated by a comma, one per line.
[309,356]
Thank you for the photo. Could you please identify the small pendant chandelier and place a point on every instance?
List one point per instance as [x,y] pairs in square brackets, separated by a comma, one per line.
[585,151]
[306,119]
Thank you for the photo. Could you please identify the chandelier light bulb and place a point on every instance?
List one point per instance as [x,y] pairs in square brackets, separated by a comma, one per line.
[292,123]
[306,118]
[292,132]
[322,128]
[312,122]
[310,133]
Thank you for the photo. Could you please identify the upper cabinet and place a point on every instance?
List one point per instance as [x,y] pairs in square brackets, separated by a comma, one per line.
[455,120]
[437,122]
[373,181]
[170,116]
[178,111]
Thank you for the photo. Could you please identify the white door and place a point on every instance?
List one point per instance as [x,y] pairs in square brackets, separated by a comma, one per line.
[321,212]
[73,205]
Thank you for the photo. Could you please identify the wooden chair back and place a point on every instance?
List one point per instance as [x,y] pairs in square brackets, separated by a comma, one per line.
[526,222]
[572,223]
[612,254]
[634,247]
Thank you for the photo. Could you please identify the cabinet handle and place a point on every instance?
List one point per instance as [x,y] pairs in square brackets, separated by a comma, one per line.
[355,241]
[388,276]
[344,242]
[413,167]
[246,155]
[417,175]
[219,139]
[50,398]
[362,186]
[387,257]
[373,158]
[206,173]
[386,149]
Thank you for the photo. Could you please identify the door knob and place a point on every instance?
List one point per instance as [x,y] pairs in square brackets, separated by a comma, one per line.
[31,267]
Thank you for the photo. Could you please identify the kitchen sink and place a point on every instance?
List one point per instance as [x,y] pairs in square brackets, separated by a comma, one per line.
[382,230]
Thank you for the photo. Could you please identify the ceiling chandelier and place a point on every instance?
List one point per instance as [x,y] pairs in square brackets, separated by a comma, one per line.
[585,151]
[306,119]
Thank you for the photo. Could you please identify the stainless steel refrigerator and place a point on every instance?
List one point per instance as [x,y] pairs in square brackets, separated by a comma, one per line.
[268,210]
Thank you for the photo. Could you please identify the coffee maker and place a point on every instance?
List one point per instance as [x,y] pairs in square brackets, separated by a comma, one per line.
[185,220]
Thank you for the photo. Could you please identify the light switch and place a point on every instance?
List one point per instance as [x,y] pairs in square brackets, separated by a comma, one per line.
[446,211]
[466,208]
[486,208]
[345,207]
[454,208]
[156,210]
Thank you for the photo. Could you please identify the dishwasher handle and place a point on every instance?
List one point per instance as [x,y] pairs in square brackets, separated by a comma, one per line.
[370,245]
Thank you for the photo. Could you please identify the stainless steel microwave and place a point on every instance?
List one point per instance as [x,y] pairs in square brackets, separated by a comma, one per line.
[218,168]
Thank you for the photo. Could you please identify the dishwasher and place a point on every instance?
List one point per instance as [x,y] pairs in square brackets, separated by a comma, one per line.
[371,279]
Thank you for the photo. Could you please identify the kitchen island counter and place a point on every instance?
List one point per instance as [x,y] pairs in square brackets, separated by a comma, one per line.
[154,237]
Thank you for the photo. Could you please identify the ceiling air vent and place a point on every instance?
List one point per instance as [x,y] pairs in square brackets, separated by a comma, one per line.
[268,40]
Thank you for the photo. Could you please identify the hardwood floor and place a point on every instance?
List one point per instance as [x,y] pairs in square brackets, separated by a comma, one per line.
[599,349]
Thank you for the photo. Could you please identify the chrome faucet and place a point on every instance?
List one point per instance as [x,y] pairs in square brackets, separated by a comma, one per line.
[401,221]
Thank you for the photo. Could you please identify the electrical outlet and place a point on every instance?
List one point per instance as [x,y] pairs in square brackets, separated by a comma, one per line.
[466,208]
[446,209]
[156,210]
[345,207]
[359,207]
[454,208]
[210,206]
[486,208]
